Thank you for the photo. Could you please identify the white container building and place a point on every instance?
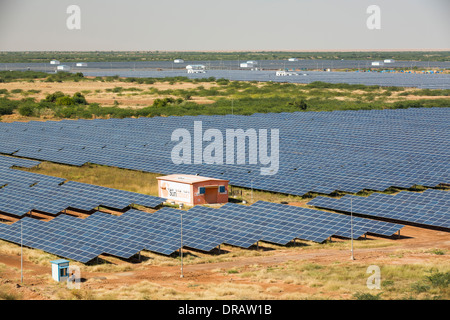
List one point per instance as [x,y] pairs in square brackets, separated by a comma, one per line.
[63,68]
[283,73]
[60,270]
[196,68]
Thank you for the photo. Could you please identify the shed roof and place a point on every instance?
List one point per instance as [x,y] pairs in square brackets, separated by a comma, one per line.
[59,261]
[188,179]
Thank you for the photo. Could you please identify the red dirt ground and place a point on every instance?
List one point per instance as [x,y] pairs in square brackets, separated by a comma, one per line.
[412,238]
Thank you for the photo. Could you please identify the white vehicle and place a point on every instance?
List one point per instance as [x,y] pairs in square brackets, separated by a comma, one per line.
[178,61]
[81,64]
[55,62]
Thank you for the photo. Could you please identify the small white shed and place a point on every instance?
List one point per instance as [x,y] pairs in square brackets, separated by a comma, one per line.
[60,270]
[196,68]
[63,68]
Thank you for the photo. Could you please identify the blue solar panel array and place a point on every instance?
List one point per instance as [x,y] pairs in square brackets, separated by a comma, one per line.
[8,162]
[203,229]
[22,192]
[429,208]
[318,151]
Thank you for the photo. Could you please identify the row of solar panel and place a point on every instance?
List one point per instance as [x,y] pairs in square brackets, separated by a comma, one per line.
[319,152]
[345,180]
[429,208]
[24,191]
[8,162]
[204,229]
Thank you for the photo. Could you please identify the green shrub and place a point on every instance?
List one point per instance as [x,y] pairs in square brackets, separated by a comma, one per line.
[53,96]
[222,82]
[8,106]
[439,279]
[78,98]
[367,296]
[420,287]
[64,101]
[27,109]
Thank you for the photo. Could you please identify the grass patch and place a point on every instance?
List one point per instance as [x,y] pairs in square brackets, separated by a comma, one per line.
[6,293]
[129,180]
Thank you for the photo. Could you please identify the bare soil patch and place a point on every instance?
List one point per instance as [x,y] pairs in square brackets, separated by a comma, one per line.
[133,99]
[200,279]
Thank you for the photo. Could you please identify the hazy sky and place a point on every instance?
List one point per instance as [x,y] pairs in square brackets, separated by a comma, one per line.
[208,25]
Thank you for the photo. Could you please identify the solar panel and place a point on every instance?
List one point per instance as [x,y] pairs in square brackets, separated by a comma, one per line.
[41,235]
[429,208]
[203,229]
[319,152]
[24,191]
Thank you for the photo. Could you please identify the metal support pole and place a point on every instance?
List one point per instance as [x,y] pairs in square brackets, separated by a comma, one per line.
[351,225]
[21,252]
[181,247]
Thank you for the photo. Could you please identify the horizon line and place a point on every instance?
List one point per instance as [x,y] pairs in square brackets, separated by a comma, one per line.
[243,51]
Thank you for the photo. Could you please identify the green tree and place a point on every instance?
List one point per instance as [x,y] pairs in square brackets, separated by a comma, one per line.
[299,104]
[27,109]
[64,101]
[78,98]
[53,96]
